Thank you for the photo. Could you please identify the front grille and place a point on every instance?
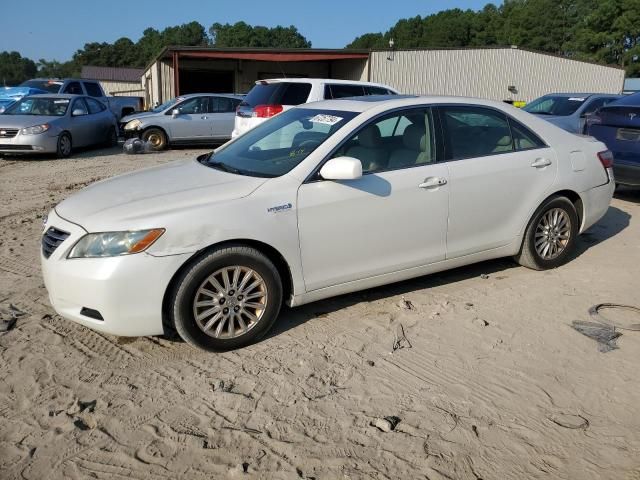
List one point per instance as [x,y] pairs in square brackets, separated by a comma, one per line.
[8,132]
[16,147]
[52,240]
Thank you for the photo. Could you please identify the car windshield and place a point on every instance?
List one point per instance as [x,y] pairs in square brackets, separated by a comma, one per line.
[51,86]
[278,145]
[54,107]
[561,106]
[165,105]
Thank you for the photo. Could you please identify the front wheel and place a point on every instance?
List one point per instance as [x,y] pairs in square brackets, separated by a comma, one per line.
[227,299]
[551,235]
[155,138]
[65,145]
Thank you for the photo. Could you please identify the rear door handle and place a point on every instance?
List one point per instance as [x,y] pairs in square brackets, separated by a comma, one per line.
[204,117]
[433,182]
[541,163]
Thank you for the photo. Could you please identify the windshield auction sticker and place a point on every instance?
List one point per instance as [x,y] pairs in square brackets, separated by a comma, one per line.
[325,119]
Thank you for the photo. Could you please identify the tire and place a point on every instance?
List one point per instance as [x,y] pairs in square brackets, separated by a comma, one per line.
[196,294]
[558,212]
[112,138]
[65,145]
[156,138]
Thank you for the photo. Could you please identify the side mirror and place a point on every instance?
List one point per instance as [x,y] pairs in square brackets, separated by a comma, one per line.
[175,112]
[342,168]
[78,112]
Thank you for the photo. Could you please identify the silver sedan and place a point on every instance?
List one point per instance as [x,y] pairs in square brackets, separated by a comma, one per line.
[56,124]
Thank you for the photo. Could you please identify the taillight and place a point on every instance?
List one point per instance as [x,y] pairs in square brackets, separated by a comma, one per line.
[606,158]
[266,111]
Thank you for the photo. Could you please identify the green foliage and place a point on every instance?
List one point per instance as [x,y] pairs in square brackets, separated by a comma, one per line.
[604,31]
[15,69]
[241,34]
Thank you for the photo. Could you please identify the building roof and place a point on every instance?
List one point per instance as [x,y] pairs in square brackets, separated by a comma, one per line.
[112,74]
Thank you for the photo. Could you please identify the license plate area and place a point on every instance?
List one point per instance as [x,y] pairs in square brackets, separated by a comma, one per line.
[628,135]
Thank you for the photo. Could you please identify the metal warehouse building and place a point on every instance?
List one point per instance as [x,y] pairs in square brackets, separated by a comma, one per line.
[509,73]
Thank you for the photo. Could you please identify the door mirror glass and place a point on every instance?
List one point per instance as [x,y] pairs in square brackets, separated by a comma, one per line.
[78,112]
[175,112]
[342,168]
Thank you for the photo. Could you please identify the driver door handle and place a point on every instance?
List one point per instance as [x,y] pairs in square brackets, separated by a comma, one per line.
[541,163]
[204,117]
[433,182]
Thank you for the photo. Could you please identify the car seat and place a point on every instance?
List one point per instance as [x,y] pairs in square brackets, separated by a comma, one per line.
[370,150]
[417,148]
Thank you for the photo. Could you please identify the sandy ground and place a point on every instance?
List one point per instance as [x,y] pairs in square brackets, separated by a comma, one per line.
[491,383]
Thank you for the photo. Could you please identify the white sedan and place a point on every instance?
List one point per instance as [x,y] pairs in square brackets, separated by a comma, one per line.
[324,199]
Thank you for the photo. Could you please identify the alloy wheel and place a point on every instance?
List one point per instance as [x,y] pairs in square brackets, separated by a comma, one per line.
[552,233]
[230,302]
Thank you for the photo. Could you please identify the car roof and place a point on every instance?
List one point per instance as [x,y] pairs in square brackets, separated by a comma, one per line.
[387,102]
[581,95]
[206,94]
[334,81]
[56,95]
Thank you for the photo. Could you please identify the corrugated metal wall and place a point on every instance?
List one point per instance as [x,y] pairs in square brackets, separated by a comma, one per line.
[488,73]
[128,88]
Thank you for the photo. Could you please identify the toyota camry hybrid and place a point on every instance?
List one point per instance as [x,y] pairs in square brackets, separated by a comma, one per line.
[323,199]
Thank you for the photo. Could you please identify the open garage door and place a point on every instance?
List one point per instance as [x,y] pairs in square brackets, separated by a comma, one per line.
[206,81]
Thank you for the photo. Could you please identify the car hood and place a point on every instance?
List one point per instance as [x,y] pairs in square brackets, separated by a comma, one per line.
[137,200]
[134,116]
[22,121]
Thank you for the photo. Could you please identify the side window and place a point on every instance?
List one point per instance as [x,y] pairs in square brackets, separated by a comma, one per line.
[193,106]
[80,104]
[93,89]
[596,104]
[73,88]
[474,132]
[376,91]
[343,90]
[399,140]
[221,105]
[94,105]
[523,138]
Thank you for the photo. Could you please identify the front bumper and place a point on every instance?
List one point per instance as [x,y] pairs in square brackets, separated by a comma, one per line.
[42,143]
[127,291]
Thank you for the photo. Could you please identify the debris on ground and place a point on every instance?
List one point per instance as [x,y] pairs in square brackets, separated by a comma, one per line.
[574,422]
[605,335]
[480,322]
[626,314]
[9,314]
[386,424]
[371,363]
[484,276]
[400,340]
[135,146]
[406,304]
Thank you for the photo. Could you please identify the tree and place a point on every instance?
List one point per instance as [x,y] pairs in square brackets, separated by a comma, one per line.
[15,69]
[241,34]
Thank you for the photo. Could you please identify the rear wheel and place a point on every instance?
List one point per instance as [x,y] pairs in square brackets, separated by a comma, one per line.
[65,145]
[227,299]
[156,138]
[551,235]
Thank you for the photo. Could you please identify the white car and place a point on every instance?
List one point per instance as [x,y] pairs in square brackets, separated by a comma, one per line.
[270,97]
[324,199]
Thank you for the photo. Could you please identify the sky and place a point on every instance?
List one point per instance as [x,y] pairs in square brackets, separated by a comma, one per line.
[55,30]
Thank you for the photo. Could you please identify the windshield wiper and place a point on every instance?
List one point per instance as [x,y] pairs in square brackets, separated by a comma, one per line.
[224,167]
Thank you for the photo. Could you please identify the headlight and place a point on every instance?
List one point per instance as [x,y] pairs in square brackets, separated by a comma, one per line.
[113,244]
[133,125]
[35,130]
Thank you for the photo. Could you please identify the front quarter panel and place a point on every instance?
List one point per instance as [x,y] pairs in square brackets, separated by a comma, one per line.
[268,215]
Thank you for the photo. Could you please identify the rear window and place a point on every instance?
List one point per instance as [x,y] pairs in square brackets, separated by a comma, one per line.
[279,93]
[50,86]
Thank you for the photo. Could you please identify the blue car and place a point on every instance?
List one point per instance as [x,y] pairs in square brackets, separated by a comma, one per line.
[10,95]
[569,111]
[617,125]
